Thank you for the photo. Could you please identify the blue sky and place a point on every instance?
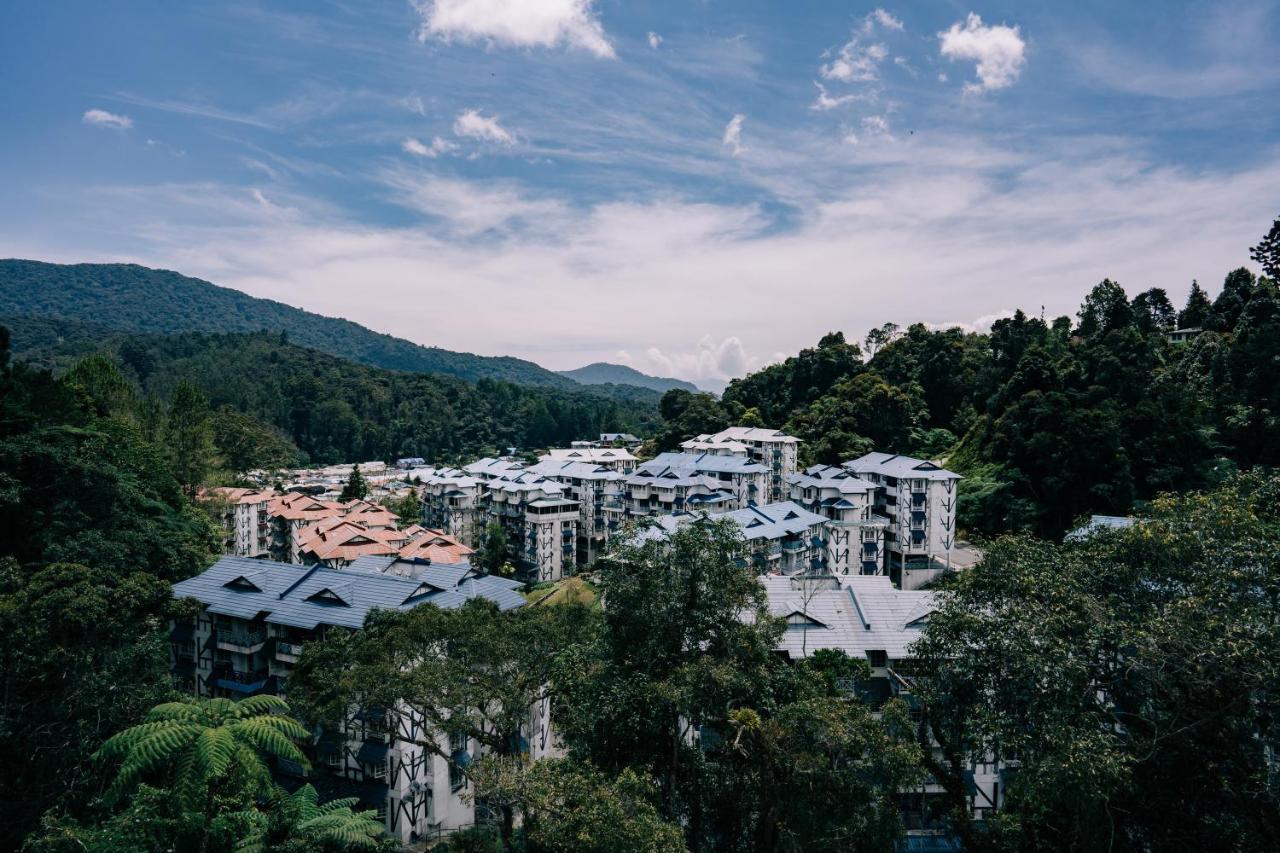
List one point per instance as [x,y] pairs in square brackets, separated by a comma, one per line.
[693,188]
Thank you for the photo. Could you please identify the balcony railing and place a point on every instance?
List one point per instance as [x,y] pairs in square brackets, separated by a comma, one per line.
[240,638]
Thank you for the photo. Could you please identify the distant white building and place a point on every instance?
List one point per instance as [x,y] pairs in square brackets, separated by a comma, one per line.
[781,537]
[919,499]
[600,493]
[540,520]
[453,503]
[772,448]
[855,534]
[612,458]
[244,520]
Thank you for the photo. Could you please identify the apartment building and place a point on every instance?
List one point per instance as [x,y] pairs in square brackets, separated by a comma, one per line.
[453,503]
[743,481]
[540,521]
[772,448]
[611,458]
[918,497]
[289,514]
[258,614]
[867,618]
[855,534]
[781,537]
[601,495]
[244,519]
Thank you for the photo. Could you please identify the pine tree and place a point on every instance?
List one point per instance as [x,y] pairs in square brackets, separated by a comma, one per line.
[1267,252]
[1199,309]
[189,436]
[356,488]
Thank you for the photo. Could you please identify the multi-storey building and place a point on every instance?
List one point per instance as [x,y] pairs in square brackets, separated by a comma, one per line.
[453,503]
[540,521]
[772,448]
[599,491]
[867,618]
[781,537]
[746,482]
[244,519]
[919,499]
[257,615]
[855,534]
[611,458]
[289,514]
[662,490]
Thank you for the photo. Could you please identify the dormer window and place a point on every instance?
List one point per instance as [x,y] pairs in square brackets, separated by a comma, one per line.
[328,596]
[243,584]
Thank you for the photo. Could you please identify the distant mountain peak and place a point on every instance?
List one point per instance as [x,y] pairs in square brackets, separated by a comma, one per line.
[604,373]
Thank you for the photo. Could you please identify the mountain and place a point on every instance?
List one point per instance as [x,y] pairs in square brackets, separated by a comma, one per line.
[602,373]
[139,300]
[336,410]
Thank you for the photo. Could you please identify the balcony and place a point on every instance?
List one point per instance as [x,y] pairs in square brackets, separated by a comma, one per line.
[288,652]
[241,681]
[239,640]
[793,546]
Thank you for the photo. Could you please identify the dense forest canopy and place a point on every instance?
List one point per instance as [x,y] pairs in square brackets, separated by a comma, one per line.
[1048,420]
[269,395]
[138,300]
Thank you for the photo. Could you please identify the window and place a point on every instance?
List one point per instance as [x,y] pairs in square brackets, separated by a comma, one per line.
[456,779]
[335,760]
[878,657]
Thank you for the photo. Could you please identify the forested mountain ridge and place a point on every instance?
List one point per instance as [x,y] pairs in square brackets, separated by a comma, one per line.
[139,300]
[600,373]
[335,410]
[1047,420]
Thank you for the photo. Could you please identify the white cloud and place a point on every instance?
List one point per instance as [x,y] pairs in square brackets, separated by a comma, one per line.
[102,118]
[876,126]
[826,101]
[732,138]
[654,40]
[472,124]
[999,51]
[886,20]
[516,23]
[418,148]
[711,363]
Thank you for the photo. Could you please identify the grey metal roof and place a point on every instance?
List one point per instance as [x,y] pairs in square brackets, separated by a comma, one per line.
[902,467]
[831,477]
[852,613]
[304,597]
[773,521]
[560,468]
[704,462]
[1098,523]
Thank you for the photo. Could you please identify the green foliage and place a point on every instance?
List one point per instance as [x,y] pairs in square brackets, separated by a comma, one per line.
[338,411]
[1267,252]
[492,556]
[569,806]
[188,435]
[137,300]
[1133,675]
[356,487]
[300,823]
[689,414]
[244,443]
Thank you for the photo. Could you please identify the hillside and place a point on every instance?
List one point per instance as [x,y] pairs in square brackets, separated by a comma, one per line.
[139,300]
[337,410]
[602,373]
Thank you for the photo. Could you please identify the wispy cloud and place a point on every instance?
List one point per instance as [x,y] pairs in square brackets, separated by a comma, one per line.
[654,40]
[192,109]
[516,23]
[416,147]
[472,124]
[732,138]
[102,118]
[999,50]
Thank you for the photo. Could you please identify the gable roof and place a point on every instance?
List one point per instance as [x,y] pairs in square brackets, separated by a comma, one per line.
[902,467]
[304,597]
[773,521]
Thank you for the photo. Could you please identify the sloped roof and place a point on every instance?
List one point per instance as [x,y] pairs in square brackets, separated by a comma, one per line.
[296,506]
[739,433]
[902,467]
[588,454]
[437,547]
[347,540]
[560,468]
[773,521]
[857,614]
[704,463]
[304,597]
[831,477]
[1098,523]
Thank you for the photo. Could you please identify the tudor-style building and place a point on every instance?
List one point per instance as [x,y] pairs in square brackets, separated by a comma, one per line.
[256,617]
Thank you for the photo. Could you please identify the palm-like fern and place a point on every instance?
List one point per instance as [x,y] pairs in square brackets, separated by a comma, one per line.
[204,741]
[301,816]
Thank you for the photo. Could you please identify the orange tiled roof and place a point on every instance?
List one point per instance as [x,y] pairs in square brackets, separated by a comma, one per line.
[296,506]
[437,547]
[346,540]
[370,514]
[239,496]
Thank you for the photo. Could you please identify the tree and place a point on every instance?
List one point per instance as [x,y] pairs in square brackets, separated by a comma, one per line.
[300,823]
[1267,252]
[211,749]
[473,672]
[1237,289]
[408,507]
[356,487]
[1198,312]
[189,436]
[492,557]
[1162,650]
[1153,312]
[1104,309]
[569,806]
